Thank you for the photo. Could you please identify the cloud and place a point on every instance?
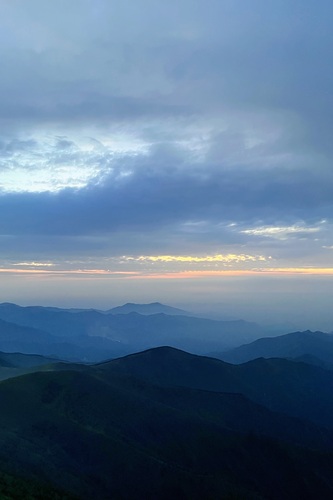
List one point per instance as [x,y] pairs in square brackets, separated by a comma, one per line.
[281,232]
[226,259]
[165,129]
[34,264]
[158,190]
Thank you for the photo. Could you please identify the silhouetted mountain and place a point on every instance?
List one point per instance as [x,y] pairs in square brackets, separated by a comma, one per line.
[30,340]
[19,360]
[293,388]
[14,332]
[99,335]
[101,432]
[14,337]
[148,309]
[312,347]
[312,360]
[15,364]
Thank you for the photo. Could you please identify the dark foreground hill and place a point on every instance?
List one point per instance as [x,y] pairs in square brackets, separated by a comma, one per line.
[312,347]
[153,425]
[14,364]
[282,385]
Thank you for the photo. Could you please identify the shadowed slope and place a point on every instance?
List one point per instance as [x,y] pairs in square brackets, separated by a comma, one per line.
[99,433]
[15,364]
[294,388]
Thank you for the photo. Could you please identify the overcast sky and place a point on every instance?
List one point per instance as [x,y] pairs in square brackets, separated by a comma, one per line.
[178,151]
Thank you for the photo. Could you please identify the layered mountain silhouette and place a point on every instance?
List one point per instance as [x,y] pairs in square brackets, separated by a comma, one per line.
[30,340]
[311,347]
[15,364]
[91,335]
[161,424]
[295,388]
[148,309]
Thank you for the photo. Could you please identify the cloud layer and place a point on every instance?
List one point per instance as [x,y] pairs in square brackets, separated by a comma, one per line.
[166,129]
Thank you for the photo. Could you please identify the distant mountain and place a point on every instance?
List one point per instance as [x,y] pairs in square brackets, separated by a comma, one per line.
[30,340]
[313,360]
[312,347]
[148,309]
[14,337]
[131,428]
[91,335]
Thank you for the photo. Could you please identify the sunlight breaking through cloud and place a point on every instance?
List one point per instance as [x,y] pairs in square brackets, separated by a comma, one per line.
[227,258]
[280,232]
[34,264]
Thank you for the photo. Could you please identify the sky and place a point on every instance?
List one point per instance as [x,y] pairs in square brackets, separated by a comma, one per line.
[174,151]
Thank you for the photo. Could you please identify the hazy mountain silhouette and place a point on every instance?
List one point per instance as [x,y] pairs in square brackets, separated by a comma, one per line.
[148,309]
[31,340]
[19,360]
[312,347]
[26,339]
[93,335]
[161,423]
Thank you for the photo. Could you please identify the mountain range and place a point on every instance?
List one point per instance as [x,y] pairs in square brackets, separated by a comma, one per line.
[311,347]
[96,404]
[15,364]
[164,423]
[148,309]
[90,335]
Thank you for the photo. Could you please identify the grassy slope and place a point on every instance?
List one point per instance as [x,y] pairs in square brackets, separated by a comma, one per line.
[16,364]
[17,488]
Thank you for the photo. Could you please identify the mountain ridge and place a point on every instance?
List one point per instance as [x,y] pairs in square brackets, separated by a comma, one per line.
[291,346]
[282,385]
[92,335]
[149,308]
[87,429]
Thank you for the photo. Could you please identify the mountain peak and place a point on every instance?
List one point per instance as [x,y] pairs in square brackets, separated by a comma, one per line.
[148,309]
[291,345]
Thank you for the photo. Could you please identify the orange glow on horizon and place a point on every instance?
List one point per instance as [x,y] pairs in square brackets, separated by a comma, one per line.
[283,271]
[66,272]
[238,273]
